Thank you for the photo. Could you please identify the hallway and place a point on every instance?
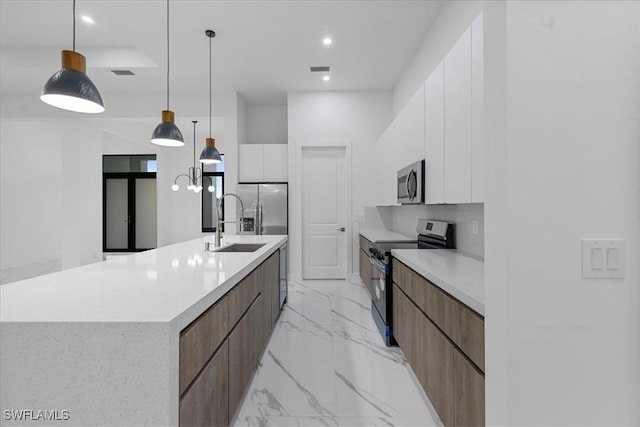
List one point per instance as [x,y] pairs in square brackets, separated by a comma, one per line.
[326,365]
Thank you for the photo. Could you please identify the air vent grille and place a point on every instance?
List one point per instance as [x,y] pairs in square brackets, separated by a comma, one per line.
[321,69]
[123,72]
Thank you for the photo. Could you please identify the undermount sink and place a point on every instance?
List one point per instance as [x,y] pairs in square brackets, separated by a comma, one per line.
[240,247]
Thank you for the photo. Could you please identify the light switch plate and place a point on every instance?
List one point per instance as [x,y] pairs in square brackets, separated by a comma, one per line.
[474,227]
[602,258]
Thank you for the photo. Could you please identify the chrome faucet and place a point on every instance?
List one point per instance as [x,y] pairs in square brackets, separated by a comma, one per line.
[220,222]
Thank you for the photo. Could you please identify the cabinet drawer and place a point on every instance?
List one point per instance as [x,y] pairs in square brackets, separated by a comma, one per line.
[466,329]
[206,402]
[365,244]
[199,340]
[468,393]
[461,324]
[243,294]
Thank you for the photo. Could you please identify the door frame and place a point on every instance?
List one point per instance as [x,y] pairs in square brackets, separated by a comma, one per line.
[346,144]
[131,194]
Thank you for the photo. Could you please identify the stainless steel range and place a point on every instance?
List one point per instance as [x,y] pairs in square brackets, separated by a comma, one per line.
[431,235]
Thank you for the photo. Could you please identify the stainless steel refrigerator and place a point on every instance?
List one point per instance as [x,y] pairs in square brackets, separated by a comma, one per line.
[265,208]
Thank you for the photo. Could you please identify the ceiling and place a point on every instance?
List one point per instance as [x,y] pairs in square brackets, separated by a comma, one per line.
[263,49]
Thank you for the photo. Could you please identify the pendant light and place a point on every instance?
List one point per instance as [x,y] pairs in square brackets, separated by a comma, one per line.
[167,133]
[194,174]
[210,153]
[70,88]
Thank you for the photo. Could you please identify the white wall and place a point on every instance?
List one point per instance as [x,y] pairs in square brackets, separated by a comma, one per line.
[357,117]
[573,133]
[56,223]
[267,124]
[50,197]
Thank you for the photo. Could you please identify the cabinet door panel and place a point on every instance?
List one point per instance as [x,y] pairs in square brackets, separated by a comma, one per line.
[365,271]
[477,111]
[468,393]
[457,119]
[242,355]
[206,404]
[275,162]
[434,366]
[434,136]
[410,130]
[199,340]
[251,168]
[404,326]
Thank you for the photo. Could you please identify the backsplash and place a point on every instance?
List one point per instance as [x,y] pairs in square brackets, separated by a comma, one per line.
[403,219]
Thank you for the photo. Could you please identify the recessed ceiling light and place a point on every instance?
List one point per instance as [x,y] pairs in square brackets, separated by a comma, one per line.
[326,78]
[327,41]
[87,19]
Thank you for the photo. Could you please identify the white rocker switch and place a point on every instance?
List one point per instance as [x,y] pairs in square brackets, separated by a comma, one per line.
[602,258]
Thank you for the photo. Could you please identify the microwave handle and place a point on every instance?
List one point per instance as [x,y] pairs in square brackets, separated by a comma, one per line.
[411,172]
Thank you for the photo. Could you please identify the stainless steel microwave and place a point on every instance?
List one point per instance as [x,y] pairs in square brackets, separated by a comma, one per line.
[411,184]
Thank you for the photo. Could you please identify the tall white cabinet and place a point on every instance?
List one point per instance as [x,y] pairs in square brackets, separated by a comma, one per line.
[443,123]
[454,123]
[457,121]
[434,136]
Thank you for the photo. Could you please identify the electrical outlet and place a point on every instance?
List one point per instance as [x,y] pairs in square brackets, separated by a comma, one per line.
[602,258]
[474,227]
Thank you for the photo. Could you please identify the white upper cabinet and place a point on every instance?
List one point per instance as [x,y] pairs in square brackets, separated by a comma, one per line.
[454,123]
[457,121]
[477,111]
[262,163]
[275,162]
[409,131]
[434,136]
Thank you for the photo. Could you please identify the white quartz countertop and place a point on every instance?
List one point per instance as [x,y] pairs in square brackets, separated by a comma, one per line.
[459,275]
[170,284]
[382,235]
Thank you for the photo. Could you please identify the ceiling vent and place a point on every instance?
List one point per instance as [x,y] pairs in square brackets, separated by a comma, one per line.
[123,72]
[322,69]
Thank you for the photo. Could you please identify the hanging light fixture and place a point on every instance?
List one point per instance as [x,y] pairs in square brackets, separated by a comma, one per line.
[167,133]
[194,175]
[210,153]
[70,88]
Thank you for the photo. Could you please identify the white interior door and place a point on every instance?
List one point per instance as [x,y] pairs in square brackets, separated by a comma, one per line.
[324,213]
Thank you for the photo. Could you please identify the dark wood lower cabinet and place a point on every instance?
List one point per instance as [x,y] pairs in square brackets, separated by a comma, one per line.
[210,396]
[242,355]
[206,402]
[365,271]
[468,392]
[453,383]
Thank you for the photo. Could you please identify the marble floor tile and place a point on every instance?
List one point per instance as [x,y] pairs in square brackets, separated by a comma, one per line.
[326,365]
[386,422]
[295,377]
[286,422]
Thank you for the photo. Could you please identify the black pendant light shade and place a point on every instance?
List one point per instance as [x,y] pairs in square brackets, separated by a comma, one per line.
[167,133]
[70,88]
[210,154]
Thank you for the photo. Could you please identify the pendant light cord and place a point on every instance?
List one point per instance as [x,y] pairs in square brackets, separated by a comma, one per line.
[194,145]
[167,54]
[74,25]
[210,91]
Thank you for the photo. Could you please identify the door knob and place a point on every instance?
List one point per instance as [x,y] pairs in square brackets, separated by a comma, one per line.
[342,229]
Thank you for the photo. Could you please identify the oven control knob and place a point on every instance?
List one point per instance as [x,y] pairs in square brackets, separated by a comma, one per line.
[371,250]
[380,256]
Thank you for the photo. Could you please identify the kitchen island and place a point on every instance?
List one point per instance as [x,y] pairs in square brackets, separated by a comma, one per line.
[104,344]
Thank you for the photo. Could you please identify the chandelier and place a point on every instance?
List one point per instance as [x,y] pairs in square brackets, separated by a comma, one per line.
[194,174]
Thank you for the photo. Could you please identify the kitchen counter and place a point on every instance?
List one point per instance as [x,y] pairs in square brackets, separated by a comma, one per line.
[459,275]
[382,235]
[101,341]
